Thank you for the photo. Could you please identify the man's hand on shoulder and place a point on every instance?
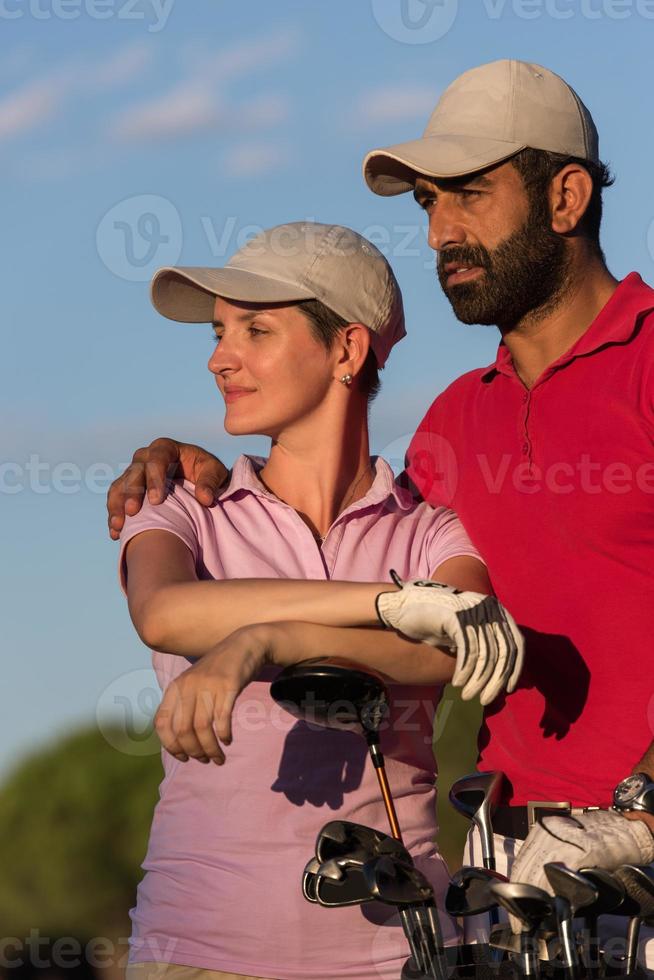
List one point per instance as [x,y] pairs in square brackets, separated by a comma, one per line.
[151,466]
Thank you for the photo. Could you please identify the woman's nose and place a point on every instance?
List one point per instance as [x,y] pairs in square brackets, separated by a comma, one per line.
[223,358]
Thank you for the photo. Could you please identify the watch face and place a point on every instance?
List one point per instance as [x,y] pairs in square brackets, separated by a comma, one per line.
[629,788]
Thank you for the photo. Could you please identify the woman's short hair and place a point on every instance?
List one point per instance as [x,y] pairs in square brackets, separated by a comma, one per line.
[326,326]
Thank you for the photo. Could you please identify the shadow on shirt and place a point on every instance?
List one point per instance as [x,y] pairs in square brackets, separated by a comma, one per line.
[556,669]
[320,765]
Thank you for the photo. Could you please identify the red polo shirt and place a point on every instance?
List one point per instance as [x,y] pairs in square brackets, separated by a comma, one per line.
[555,486]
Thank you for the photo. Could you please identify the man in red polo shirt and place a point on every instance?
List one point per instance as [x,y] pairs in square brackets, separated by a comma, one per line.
[547,454]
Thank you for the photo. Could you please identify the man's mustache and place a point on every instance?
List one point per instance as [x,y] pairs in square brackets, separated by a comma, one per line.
[463,258]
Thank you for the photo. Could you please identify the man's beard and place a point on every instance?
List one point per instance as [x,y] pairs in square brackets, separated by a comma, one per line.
[527,272]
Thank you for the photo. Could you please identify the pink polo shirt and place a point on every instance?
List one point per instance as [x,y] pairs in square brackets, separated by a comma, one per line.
[228,845]
[555,486]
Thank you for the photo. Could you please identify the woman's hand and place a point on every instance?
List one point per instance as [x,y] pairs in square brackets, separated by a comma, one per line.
[195,714]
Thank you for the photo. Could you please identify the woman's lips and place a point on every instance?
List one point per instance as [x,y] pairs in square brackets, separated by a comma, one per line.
[232,394]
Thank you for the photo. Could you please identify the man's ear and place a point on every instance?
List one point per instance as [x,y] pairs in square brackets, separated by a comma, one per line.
[570,193]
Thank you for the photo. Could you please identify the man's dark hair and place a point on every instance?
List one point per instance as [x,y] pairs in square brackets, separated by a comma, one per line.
[325,326]
[537,169]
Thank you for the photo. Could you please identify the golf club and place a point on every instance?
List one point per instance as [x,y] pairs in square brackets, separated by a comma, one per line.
[475,797]
[571,892]
[638,881]
[342,838]
[336,694]
[469,892]
[610,894]
[394,882]
[531,906]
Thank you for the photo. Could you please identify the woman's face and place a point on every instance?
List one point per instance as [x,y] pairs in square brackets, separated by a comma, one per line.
[269,367]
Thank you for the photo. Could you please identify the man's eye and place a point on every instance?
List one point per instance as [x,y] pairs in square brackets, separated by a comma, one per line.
[254,331]
[467,193]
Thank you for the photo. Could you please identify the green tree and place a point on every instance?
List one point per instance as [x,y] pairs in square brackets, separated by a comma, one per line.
[74,823]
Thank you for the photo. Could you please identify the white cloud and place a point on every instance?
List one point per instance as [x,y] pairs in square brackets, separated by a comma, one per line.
[31,105]
[124,65]
[43,99]
[201,101]
[187,108]
[255,159]
[393,103]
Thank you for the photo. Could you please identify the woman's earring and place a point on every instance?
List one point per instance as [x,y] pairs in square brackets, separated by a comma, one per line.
[346,379]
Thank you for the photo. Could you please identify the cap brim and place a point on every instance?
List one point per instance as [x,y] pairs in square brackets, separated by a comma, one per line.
[188,294]
[394,170]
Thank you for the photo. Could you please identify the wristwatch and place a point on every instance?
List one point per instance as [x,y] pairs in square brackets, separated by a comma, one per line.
[634,793]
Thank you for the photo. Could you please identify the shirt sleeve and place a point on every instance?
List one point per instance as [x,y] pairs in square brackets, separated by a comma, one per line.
[174,515]
[448,539]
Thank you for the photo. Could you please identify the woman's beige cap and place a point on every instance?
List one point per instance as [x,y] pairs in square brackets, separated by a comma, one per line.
[485,116]
[293,262]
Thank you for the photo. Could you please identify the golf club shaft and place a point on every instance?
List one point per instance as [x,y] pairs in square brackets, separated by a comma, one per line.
[378,763]
[422,929]
[631,952]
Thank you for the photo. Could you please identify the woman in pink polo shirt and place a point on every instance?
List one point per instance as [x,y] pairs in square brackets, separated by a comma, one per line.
[304,316]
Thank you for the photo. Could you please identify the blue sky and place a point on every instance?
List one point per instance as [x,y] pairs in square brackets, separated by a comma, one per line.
[136,134]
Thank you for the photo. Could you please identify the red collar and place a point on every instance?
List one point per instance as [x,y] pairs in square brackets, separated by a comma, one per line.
[615,323]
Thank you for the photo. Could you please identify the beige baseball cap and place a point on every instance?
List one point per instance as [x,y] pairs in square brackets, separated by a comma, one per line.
[292,262]
[485,116]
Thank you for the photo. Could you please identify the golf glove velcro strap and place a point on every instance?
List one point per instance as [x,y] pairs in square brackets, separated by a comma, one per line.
[601,838]
[488,645]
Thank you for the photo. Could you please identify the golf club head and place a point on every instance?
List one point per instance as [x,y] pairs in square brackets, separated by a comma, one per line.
[578,891]
[530,905]
[339,883]
[475,797]
[394,882]
[310,879]
[342,838]
[469,892]
[327,692]
[610,891]
[638,881]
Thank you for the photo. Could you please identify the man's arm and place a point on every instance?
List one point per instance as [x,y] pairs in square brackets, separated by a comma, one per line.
[151,466]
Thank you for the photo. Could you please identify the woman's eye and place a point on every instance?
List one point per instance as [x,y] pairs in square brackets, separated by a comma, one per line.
[215,337]
[255,331]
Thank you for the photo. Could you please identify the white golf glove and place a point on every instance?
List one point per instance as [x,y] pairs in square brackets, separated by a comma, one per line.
[601,838]
[488,645]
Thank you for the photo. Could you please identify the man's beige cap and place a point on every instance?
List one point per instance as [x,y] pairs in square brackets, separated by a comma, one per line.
[292,262]
[485,116]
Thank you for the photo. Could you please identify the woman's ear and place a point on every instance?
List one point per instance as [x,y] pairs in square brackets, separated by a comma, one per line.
[353,347]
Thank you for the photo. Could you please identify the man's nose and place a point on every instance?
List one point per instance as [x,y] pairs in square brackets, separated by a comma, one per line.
[445,227]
